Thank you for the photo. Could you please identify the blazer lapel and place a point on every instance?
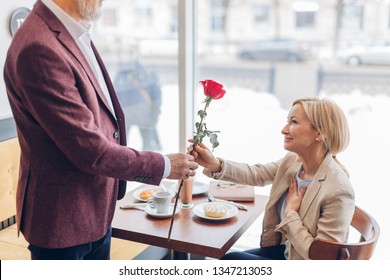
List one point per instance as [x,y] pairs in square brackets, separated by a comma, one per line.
[115,101]
[72,46]
[315,186]
[310,194]
[67,40]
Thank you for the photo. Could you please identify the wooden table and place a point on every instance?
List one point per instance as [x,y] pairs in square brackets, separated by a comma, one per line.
[190,234]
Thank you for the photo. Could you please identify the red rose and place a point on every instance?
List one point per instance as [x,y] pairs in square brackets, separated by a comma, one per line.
[213,89]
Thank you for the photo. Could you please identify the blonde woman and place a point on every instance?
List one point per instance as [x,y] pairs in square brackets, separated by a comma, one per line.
[311,195]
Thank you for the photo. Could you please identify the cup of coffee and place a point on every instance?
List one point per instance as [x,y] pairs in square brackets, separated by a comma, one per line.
[161,201]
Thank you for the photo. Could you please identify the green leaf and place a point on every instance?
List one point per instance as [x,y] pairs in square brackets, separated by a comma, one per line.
[210,132]
[197,124]
[202,114]
[213,137]
[214,140]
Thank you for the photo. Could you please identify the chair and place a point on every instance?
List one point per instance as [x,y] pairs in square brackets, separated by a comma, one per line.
[369,231]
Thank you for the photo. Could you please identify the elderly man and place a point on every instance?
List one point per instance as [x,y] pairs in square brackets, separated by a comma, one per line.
[74,162]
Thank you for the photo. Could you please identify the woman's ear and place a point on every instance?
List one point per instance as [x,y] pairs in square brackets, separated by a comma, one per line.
[319,136]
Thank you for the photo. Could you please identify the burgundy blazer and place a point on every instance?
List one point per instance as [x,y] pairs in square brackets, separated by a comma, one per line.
[73,149]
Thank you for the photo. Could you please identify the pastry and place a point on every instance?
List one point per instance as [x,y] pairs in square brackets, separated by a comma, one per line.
[215,210]
[147,194]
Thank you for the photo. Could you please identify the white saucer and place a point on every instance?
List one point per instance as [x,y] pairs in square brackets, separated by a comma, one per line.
[199,188]
[138,192]
[153,212]
[231,211]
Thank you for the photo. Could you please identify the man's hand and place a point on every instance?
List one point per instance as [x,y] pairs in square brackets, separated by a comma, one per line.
[182,166]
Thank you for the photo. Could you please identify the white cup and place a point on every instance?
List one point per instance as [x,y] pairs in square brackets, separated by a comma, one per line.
[161,201]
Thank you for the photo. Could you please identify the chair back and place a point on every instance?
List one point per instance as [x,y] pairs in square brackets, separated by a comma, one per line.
[9,174]
[369,231]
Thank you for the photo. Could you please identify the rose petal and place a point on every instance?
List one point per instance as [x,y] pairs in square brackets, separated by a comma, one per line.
[213,89]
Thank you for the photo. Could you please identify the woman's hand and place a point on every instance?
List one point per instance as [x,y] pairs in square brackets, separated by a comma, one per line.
[293,198]
[204,157]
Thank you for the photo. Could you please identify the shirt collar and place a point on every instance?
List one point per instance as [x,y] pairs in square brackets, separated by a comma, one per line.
[75,28]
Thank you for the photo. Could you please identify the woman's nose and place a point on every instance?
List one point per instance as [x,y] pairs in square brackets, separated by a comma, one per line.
[285,129]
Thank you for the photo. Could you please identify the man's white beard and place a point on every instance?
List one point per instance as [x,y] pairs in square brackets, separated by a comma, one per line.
[89,13]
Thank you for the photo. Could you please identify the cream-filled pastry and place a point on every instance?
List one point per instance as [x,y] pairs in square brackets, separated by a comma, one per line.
[215,210]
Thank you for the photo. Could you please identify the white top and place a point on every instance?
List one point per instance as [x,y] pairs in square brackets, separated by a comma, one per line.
[300,184]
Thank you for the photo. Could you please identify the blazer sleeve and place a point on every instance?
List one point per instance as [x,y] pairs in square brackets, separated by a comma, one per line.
[242,173]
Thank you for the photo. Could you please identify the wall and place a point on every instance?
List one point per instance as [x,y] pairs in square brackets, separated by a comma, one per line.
[6,9]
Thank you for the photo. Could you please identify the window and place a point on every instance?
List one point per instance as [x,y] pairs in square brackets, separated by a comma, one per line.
[218,15]
[353,17]
[305,19]
[143,16]
[261,16]
[388,18]
[142,61]
[305,13]
[262,85]
[174,20]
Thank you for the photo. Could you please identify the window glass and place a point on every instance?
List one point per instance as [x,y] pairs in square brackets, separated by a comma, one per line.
[305,12]
[261,16]
[353,17]
[267,54]
[305,19]
[309,49]
[218,15]
[138,43]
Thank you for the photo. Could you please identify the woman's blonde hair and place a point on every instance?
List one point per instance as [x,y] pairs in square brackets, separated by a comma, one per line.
[328,118]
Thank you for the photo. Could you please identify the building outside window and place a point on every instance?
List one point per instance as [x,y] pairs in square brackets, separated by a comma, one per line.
[305,14]
[261,15]
[143,16]
[218,15]
[353,18]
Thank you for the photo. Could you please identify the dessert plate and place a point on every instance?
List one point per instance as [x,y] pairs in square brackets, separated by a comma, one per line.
[231,211]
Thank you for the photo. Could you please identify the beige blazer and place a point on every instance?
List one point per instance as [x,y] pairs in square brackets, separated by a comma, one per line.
[326,210]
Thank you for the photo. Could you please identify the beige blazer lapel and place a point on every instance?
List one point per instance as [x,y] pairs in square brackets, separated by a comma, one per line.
[308,199]
[315,186]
